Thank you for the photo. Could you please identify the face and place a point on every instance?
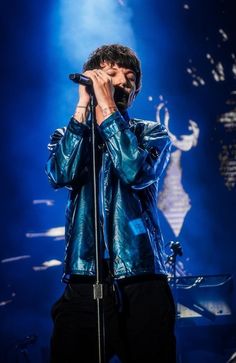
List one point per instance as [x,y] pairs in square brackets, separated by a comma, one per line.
[123,80]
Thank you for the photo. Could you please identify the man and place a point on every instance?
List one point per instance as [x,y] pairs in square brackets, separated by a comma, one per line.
[138,306]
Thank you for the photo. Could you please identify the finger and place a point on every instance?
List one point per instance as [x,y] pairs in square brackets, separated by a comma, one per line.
[92,75]
[98,75]
[88,73]
[101,74]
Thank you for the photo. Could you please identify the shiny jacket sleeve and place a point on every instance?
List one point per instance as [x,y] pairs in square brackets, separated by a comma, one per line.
[68,154]
[139,161]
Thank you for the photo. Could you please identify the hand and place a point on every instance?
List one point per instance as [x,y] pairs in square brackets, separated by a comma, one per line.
[84,96]
[82,107]
[104,93]
[103,90]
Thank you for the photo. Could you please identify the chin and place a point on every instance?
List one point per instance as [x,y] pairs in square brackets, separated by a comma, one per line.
[122,107]
[121,99]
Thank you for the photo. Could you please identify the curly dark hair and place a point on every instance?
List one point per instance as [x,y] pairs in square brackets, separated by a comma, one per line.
[115,54]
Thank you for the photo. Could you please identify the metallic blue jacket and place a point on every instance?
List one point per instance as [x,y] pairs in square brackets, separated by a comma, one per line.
[132,155]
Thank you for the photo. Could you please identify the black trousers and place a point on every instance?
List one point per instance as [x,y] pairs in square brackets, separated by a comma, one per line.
[139,323]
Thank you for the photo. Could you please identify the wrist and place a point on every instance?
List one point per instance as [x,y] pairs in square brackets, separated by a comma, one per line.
[108,109]
[81,112]
[82,103]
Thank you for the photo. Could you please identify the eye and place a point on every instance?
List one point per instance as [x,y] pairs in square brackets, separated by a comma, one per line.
[130,82]
[131,77]
[111,72]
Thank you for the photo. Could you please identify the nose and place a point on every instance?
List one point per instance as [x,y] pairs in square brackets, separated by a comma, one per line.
[122,80]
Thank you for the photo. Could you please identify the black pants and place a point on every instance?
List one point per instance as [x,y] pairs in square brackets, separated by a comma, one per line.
[139,321]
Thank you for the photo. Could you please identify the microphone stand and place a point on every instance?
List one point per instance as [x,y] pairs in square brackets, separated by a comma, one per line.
[177,251]
[98,286]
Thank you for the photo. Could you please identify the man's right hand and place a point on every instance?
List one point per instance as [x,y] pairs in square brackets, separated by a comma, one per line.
[82,106]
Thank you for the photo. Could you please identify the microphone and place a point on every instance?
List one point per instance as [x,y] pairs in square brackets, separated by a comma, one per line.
[176,248]
[81,79]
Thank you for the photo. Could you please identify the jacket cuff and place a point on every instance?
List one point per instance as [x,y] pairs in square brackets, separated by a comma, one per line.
[77,128]
[113,124]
